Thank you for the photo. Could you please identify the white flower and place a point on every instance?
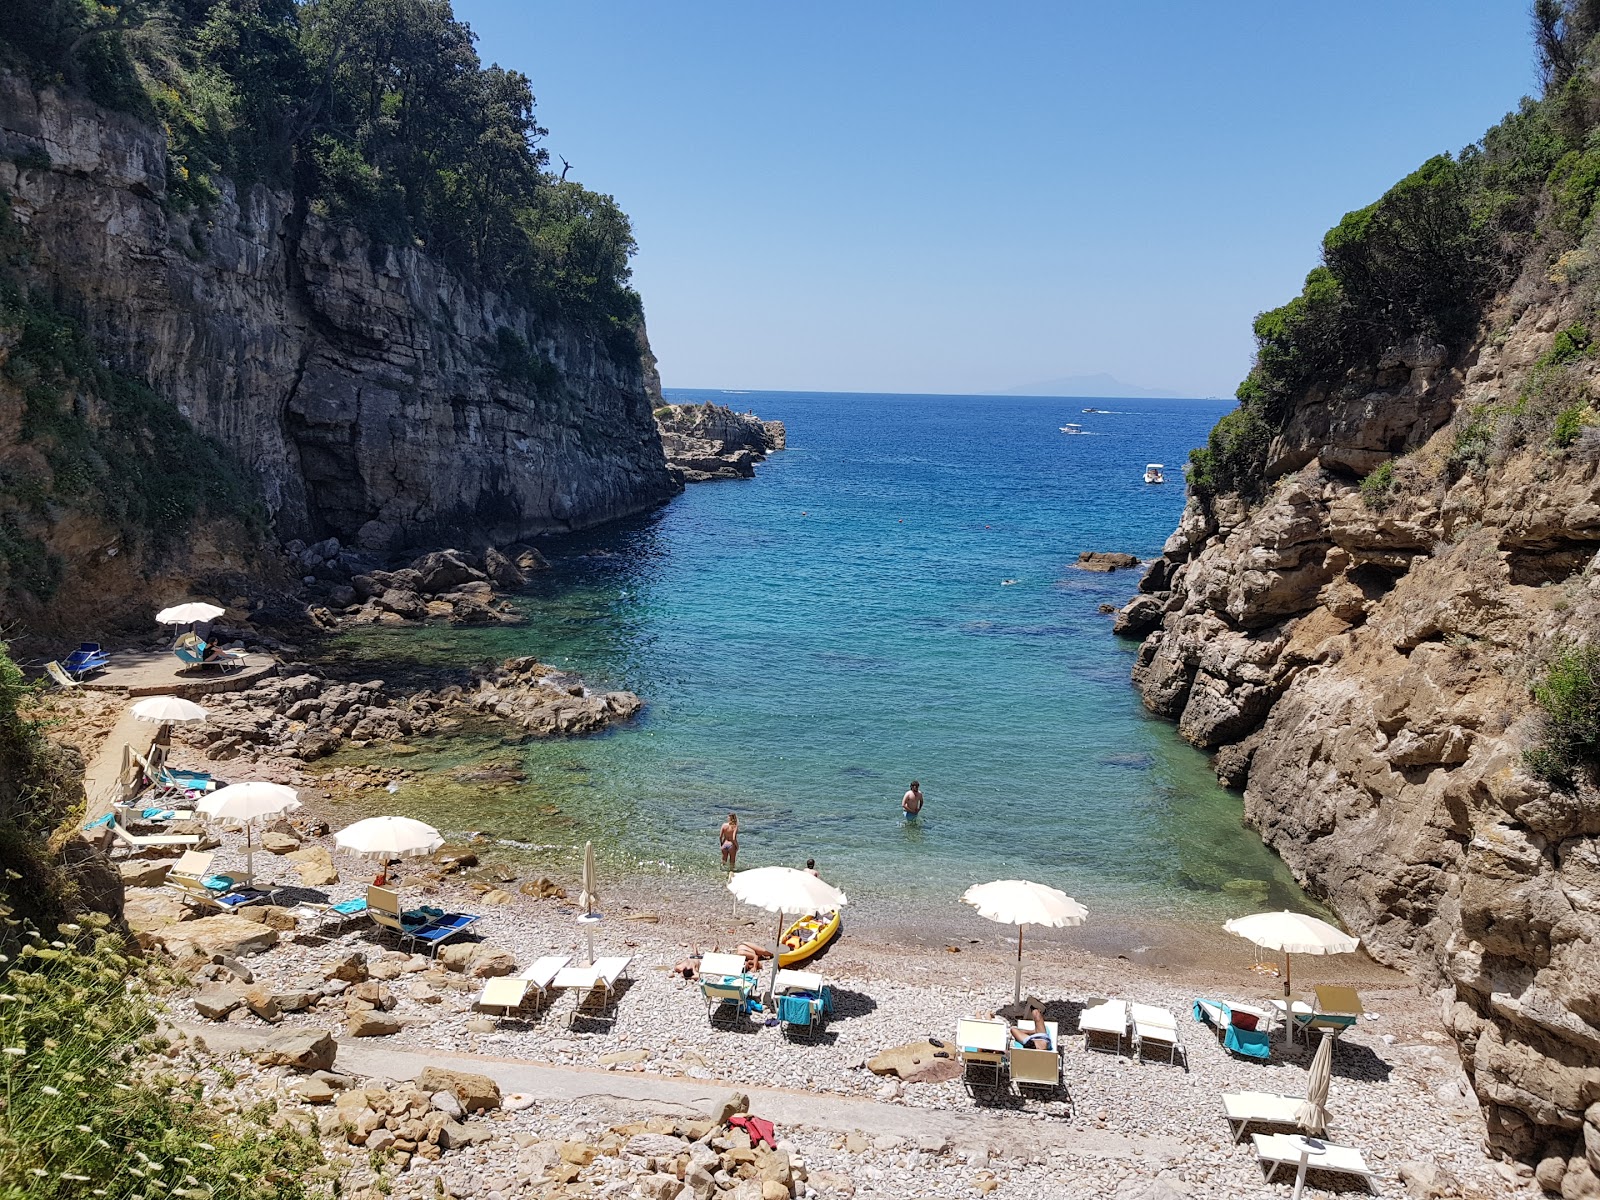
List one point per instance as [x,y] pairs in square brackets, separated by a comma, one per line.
[15,1051]
[50,1091]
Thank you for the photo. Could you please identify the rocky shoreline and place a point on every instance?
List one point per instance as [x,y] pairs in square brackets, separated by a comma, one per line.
[710,441]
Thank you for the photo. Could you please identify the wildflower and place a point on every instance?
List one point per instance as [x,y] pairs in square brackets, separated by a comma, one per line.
[136,1171]
[15,1051]
[10,874]
[83,1129]
[70,927]
[39,1171]
[50,1091]
[75,1178]
[205,1145]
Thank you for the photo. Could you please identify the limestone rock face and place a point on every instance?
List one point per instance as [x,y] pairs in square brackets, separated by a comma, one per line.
[1362,669]
[711,441]
[364,386]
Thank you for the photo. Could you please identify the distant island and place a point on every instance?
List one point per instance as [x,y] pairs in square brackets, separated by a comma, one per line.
[1101,386]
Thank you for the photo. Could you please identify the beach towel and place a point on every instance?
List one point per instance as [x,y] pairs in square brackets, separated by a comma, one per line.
[759,1130]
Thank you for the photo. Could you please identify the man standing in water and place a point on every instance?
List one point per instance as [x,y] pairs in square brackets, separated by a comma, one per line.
[911,802]
[729,837]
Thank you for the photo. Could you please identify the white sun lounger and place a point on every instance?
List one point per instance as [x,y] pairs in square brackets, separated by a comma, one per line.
[511,991]
[721,964]
[1244,1109]
[602,977]
[144,841]
[1157,1027]
[1105,1020]
[1276,1150]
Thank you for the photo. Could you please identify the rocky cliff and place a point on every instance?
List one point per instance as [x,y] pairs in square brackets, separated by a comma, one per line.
[374,395]
[711,441]
[1359,655]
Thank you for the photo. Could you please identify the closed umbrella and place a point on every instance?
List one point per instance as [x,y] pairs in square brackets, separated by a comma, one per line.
[389,838]
[589,917]
[244,802]
[1020,902]
[189,614]
[163,709]
[1292,933]
[785,890]
[1313,1114]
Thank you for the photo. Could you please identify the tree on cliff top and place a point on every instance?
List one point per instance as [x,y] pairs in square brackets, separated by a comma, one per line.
[1427,258]
[376,112]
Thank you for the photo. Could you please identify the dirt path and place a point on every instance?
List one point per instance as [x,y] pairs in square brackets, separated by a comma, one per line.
[100,777]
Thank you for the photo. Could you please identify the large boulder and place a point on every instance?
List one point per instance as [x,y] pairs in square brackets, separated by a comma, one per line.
[916,1062]
[301,1049]
[444,571]
[147,911]
[315,866]
[473,1092]
[1103,560]
[222,934]
[502,572]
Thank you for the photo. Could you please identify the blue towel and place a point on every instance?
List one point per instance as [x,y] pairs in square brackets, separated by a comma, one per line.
[798,1008]
[1251,1042]
[101,821]
[348,908]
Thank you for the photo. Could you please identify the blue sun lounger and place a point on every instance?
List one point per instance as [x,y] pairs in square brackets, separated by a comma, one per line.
[86,659]
[430,927]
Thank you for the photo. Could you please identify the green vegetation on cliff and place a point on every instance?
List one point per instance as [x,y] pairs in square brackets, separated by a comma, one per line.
[1425,260]
[378,112]
[1568,696]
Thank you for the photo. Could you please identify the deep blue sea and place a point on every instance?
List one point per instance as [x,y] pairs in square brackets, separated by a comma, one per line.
[892,597]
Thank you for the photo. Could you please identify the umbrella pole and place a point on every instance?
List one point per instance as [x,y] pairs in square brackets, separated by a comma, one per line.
[1016,992]
[249,858]
[777,949]
[1286,976]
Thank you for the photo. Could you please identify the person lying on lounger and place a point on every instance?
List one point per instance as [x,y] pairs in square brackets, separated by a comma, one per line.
[1035,1035]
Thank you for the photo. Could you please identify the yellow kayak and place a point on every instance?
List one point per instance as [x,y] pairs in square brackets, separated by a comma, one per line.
[806,936]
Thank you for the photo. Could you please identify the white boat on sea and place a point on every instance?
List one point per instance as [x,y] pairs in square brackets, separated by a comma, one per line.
[1152,473]
[1072,428]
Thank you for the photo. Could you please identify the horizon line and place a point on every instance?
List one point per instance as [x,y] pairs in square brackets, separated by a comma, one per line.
[976,395]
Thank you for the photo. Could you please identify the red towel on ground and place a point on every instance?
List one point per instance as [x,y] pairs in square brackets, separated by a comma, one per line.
[758,1129]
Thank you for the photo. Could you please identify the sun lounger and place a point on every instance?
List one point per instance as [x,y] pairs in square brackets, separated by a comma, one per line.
[982,1045]
[335,914]
[1239,1027]
[1244,1109]
[1034,1068]
[59,673]
[150,841]
[600,979]
[1106,1020]
[510,992]
[1157,1027]
[430,927]
[193,652]
[172,781]
[1336,1010]
[192,879]
[1277,1150]
[85,660]
[804,1001]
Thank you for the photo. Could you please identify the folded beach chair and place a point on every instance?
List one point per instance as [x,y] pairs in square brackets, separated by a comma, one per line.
[511,992]
[1107,1020]
[85,660]
[982,1044]
[430,927]
[1244,1109]
[595,986]
[1157,1027]
[804,1001]
[148,841]
[1277,1150]
[1239,1027]
[59,673]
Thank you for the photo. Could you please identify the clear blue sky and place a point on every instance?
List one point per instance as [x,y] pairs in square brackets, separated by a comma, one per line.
[943,196]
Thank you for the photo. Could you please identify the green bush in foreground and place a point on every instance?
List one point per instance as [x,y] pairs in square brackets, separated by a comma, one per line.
[89,1108]
[1568,697]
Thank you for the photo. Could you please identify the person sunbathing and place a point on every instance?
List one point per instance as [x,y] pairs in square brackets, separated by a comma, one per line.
[753,956]
[689,968]
[1036,1034]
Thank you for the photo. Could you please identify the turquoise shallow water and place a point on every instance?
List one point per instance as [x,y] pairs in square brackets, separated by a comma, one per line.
[811,640]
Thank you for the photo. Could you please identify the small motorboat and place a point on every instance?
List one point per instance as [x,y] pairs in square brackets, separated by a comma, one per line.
[1091,410]
[1072,429]
[1152,473]
[806,936]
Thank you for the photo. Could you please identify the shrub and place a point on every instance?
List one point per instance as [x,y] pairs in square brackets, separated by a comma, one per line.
[90,1108]
[1569,425]
[1568,696]
[1377,489]
[1235,456]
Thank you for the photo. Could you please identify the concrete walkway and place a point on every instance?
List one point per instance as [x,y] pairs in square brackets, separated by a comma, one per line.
[160,673]
[101,775]
[631,1093]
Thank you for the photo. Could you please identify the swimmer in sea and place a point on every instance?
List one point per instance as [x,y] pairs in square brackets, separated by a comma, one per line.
[811,867]
[911,802]
[729,837]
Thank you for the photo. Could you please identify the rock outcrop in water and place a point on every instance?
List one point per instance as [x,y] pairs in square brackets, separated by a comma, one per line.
[371,393]
[1360,660]
[711,441]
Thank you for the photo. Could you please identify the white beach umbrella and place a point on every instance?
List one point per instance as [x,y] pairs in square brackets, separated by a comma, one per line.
[785,890]
[1313,1114]
[244,802]
[163,709]
[1291,933]
[389,838]
[189,614]
[589,918]
[1021,903]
